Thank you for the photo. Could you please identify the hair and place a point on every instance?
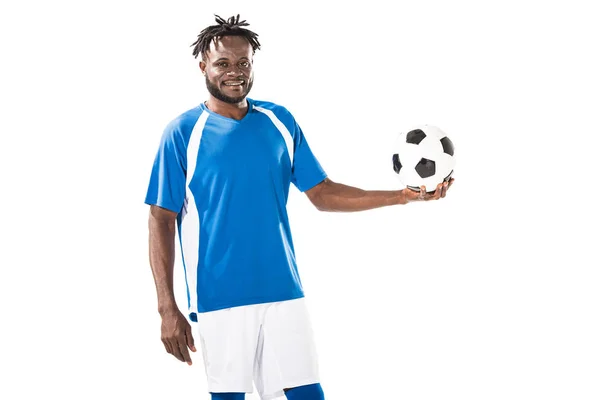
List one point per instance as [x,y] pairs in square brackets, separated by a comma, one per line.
[231,27]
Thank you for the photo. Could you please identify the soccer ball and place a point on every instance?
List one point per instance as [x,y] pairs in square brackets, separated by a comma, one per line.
[423,156]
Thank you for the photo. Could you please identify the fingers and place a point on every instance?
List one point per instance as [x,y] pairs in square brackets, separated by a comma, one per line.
[176,335]
[177,343]
[167,346]
[172,347]
[178,348]
[444,189]
[185,354]
[190,339]
[441,190]
[433,195]
[411,193]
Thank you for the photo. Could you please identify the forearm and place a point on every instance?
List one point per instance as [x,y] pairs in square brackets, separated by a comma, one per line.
[162,259]
[337,197]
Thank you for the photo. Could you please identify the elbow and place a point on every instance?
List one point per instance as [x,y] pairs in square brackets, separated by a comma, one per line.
[318,201]
[322,204]
[319,204]
[320,207]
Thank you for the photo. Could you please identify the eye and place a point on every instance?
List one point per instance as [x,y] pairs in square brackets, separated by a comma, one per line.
[222,64]
[245,64]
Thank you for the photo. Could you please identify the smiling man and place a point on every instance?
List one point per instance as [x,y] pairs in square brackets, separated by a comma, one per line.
[221,179]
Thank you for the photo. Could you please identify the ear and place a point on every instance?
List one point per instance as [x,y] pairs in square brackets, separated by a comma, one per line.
[202,65]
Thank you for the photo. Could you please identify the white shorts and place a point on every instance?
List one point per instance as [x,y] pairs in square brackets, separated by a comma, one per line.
[271,344]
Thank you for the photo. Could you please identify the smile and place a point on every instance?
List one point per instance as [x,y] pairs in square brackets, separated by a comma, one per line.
[233,83]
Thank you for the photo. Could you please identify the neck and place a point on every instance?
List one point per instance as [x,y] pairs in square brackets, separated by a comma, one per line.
[234,111]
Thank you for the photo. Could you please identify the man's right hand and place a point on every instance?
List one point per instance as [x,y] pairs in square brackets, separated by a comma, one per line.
[176,335]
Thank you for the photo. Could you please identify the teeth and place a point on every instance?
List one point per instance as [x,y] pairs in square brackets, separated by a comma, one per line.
[234,83]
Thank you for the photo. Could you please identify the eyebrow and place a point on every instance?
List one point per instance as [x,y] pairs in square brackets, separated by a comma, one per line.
[227,59]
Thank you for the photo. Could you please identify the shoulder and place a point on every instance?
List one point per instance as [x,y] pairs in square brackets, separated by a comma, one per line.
[277,110]
[181,127]
[186,120]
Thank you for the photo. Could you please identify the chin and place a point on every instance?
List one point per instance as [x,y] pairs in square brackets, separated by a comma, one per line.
[232,100]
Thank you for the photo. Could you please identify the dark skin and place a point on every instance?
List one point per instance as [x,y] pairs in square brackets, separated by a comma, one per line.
[229,60]
[331,196]
[176,332]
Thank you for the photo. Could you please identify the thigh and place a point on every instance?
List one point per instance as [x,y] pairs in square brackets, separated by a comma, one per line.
[289,354]
[228,339]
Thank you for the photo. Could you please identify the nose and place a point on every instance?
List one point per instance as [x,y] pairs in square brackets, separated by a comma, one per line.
[234,72]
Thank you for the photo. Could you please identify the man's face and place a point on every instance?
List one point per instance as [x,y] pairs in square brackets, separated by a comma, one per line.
[228,69]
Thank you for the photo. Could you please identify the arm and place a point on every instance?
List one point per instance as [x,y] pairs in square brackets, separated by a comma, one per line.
[161,227]
[332,196]
[176,333]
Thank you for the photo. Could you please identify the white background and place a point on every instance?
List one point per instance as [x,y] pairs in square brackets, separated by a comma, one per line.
[490,293]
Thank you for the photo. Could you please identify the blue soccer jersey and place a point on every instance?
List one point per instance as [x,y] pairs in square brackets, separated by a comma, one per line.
[229,180]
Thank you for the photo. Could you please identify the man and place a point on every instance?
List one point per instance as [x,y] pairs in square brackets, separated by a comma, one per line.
[221,179]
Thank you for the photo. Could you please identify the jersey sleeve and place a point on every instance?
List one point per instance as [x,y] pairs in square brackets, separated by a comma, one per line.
[166,188]
[306,170]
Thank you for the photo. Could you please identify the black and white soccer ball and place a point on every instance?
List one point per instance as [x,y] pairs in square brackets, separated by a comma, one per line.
[423,155]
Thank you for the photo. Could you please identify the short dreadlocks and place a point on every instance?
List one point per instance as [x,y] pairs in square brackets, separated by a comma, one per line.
[231,27]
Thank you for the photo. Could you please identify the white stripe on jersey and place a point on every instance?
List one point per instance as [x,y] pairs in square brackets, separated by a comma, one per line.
[190,224]
[287,136]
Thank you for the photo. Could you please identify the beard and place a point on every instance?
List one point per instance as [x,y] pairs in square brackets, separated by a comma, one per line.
[217,93]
